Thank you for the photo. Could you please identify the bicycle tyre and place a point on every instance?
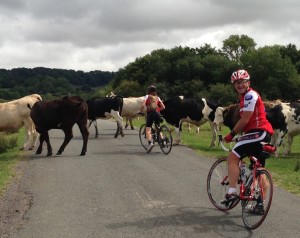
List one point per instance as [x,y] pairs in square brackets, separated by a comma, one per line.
[166,142]
[142,136]
[217,184]
[252,213]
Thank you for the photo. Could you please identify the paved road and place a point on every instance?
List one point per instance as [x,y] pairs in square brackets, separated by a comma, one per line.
[117,190]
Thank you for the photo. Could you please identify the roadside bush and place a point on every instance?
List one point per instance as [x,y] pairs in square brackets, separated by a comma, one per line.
[8,141]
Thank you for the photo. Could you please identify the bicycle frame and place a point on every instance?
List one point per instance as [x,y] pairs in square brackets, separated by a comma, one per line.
[255,192]
[253,173]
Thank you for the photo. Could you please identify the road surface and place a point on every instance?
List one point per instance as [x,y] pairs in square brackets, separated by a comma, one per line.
[118,190]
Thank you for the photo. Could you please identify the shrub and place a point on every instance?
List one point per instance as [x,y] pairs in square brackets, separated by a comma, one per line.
[8,141]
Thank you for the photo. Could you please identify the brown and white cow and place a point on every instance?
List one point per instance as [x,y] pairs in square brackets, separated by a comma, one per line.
[60,114]
[15,114]
[191,110]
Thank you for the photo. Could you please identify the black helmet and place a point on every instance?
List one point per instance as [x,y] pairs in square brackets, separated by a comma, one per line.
[151,89]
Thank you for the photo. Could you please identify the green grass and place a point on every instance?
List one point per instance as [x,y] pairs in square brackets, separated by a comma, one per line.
[8,161]
[285,170]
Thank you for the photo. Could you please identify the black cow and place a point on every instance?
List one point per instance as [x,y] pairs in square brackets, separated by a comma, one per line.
[191,110]
[60,114]
[105,108]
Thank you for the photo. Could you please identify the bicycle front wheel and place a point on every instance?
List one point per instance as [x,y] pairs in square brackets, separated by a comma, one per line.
[218,183]
[165,139]
[142,136]
[254,211]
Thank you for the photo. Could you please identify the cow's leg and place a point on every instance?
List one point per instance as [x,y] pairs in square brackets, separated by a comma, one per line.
[40,148]
[280,140]
[178,129]
[28,134]
[85,136]
[126,122]
[214,135]
[118,130]
[44,137]
[289,145]
[49,147]
[131,125]
[119,119]
[96,128]
[35,139]
[68,136]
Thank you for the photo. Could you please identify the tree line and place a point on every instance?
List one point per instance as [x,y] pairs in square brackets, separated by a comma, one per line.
[206,71]
[51,83]
[192,72]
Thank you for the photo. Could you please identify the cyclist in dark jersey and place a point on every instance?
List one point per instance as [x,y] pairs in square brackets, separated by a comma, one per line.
[254,126]
[152,115]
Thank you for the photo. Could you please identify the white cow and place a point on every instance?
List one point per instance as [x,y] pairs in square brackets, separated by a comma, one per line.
[131,108]
[15,114]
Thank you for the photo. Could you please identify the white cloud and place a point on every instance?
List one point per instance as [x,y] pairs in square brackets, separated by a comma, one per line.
[107,35]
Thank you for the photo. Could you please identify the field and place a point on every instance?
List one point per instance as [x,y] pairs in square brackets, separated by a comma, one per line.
[285,170]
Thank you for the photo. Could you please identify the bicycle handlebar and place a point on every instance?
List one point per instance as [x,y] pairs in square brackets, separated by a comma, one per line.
[221,142]
[268,148]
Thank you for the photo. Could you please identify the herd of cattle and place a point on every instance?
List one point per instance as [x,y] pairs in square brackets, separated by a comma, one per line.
[38,117]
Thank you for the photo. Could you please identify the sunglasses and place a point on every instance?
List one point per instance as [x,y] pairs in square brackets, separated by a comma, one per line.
[238,82]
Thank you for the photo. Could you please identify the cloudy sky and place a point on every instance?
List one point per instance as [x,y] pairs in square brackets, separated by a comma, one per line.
[108,34]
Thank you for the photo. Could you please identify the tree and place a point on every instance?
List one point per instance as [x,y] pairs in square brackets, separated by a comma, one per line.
[129,89]
[270,73]
[235,46]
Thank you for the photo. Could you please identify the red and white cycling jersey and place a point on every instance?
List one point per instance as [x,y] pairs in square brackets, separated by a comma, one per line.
[251,101]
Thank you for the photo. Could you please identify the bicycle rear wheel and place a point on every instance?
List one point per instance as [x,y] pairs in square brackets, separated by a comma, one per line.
[217,184]
[165,139]
[142,136]
[256,210]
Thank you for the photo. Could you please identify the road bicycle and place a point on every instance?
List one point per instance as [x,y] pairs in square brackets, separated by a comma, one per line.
[255,187]
[160,134]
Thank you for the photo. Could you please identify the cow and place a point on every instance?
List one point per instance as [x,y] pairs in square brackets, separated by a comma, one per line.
[285,118]
[106,108]
[191,110]
[131,108]
[60,114]
[15,114]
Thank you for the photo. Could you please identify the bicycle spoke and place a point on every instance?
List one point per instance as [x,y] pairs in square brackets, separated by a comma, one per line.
[217,184]
[255,211]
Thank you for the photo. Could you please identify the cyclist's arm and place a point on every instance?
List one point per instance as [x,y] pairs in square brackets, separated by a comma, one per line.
[161,106]
[242,123]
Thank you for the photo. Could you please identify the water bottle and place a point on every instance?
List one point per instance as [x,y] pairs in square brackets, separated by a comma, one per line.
[243,169]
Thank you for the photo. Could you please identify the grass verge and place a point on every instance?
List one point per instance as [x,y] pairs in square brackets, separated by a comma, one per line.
[8,161]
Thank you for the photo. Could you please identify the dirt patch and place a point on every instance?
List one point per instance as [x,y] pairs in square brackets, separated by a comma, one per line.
[14,203]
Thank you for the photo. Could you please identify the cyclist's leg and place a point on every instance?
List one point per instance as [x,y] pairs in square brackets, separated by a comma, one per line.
[149,122]
[233,176]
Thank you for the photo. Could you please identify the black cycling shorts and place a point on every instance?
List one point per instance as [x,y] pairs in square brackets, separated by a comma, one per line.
[249,144]
[153,116]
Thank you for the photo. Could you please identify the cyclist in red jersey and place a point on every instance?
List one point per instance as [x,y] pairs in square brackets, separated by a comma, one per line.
[152,115]
[254,126]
